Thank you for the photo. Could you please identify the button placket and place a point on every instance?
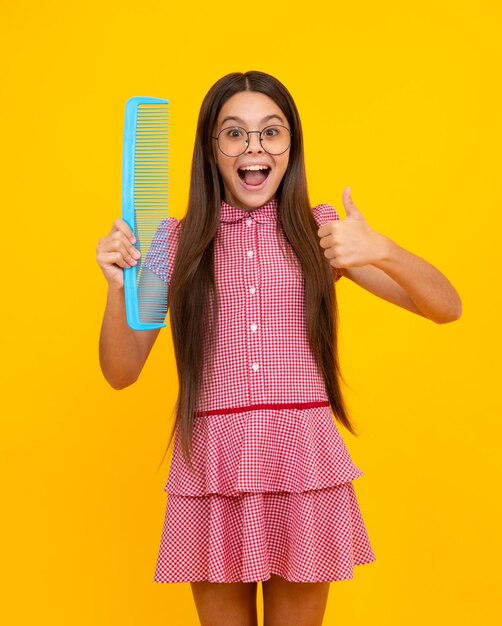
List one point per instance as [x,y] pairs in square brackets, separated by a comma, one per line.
[250,234]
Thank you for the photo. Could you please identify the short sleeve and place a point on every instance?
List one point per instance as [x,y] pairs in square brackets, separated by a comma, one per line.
[324,213]
[162,252]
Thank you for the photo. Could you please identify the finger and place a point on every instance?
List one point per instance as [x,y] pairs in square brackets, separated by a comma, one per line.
[120,244]
[122,226]
[329,228]
[128,251]
[123,244]
[351,210]
[323,242]
[327,242]
[114,258]
[330,253]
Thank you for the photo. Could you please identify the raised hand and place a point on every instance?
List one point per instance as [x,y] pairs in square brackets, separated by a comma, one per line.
[350,242]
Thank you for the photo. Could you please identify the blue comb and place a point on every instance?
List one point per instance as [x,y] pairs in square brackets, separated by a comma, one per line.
[145,182]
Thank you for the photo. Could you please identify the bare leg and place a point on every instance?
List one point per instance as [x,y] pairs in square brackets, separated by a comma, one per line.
[293,604]
[233,604]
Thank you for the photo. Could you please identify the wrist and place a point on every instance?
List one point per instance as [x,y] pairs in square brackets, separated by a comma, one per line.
[386,250]
[114,289]
[115,295]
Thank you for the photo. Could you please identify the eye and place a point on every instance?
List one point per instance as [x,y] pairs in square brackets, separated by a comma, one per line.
[272,131]
[233,133]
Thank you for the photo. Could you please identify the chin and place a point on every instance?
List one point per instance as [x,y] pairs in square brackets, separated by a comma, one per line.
[251,203]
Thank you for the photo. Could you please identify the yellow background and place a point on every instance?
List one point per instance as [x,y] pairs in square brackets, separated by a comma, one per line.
[401,101]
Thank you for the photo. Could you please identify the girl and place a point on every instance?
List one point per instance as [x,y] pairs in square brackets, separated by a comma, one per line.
[260,483]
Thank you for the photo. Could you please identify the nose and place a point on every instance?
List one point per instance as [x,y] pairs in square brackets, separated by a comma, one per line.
[254,136]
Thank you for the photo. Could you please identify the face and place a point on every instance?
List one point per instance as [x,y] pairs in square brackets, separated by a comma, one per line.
[249,189]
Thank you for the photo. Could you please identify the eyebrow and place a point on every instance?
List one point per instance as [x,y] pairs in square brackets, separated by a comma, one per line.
[241,121]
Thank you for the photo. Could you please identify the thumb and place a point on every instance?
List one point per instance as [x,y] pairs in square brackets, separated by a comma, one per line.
[352,212]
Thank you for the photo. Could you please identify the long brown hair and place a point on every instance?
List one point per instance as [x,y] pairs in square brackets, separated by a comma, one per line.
[193,275]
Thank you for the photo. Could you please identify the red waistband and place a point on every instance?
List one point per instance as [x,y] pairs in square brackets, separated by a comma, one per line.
[253,407]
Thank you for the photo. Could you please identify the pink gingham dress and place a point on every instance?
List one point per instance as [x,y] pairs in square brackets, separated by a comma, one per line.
[272,490]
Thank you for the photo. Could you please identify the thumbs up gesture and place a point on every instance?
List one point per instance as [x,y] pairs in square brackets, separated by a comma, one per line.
[350,242]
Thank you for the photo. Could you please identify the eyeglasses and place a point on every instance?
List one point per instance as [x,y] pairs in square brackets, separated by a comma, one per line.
[234,140]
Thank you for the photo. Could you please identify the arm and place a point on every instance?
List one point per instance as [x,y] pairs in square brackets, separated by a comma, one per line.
[404,279]
[122,350]
[387,270]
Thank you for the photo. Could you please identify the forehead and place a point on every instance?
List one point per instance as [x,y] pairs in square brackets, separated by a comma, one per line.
[251,107]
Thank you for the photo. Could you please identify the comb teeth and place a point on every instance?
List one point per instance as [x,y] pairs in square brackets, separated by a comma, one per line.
[145,196]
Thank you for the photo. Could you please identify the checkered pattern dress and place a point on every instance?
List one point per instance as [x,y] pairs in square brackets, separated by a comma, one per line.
[272,492]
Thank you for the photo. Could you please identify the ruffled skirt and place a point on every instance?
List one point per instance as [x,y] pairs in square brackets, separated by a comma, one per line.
[271,494]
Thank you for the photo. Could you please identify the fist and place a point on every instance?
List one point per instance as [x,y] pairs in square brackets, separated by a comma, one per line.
[350,242]
[116,251]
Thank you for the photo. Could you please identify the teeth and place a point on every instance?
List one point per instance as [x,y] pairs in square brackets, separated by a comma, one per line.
[254,167]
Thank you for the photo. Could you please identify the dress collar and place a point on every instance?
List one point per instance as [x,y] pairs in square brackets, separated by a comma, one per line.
[265,213]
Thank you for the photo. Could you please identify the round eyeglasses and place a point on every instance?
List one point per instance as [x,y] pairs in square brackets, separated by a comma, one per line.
[234,140]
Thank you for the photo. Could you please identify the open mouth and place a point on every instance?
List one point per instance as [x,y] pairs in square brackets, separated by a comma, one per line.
[254,175]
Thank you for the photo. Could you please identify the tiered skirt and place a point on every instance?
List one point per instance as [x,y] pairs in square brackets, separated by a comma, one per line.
[271,494]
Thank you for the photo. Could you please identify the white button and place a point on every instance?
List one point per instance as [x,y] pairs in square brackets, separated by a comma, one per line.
[255,366]
[252,290]
[249,221]
[253,327]
[250,253]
